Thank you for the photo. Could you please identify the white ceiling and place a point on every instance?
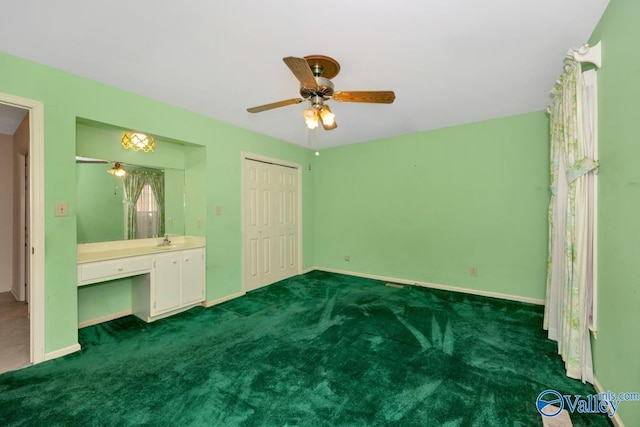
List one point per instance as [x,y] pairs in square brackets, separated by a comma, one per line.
[448,61]
[10,118]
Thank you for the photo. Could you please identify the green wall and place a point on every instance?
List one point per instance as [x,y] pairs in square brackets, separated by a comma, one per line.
[99,213]
[617,345]
[428,206]
[66,99]
[174,201]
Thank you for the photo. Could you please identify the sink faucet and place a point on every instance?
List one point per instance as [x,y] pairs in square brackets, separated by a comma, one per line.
[166,241]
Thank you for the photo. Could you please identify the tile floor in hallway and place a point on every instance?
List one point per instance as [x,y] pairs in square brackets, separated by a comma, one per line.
[14,333]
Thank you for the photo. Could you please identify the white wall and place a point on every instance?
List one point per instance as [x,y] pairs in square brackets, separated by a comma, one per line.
[6,212]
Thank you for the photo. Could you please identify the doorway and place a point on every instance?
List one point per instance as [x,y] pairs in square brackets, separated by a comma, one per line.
[22,303]
[271,221]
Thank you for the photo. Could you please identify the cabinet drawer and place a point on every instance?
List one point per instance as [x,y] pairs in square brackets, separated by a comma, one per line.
[105,270]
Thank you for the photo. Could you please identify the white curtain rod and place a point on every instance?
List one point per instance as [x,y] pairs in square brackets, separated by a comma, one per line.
[591,54]
[585,53]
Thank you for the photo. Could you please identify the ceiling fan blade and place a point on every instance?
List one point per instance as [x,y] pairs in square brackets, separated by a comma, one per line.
[80,159]
[273,105]
[301,69]
[375,97]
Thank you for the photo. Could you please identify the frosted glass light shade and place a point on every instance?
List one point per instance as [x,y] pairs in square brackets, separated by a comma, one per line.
[138,141]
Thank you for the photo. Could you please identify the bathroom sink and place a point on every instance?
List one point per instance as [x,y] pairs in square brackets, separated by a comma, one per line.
[165,247]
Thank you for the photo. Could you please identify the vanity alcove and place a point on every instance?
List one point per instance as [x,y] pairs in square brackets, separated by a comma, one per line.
[137,272]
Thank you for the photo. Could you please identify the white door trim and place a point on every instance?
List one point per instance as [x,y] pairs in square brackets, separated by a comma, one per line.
[298,167]
[19,292]
[36,219]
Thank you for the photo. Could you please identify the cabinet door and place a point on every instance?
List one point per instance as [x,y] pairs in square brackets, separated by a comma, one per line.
[192,276]
[165,295]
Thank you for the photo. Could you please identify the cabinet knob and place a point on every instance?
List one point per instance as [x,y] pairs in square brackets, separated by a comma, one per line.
[186,260]
[175,261]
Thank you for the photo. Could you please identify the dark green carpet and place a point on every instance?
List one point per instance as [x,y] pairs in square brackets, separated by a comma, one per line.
[315,350]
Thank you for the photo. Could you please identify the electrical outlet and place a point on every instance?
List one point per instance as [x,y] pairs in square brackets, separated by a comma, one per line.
[199,223]
[347,257]
[473,271]
[218,210]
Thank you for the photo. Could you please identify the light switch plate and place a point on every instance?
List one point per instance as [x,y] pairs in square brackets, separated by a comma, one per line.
[62,209]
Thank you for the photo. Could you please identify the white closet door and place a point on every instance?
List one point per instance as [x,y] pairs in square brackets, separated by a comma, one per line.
[271,223]
[286,214]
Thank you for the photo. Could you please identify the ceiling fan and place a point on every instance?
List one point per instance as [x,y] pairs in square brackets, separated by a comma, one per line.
[314,73]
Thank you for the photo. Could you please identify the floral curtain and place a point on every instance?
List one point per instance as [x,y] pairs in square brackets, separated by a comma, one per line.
[570,272]
[133,183]
[156,181]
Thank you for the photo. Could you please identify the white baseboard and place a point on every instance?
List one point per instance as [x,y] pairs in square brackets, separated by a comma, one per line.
[17,297]
[435,286]
[62,352]
[223,299]
[308,270]
[105,318]
[616,420]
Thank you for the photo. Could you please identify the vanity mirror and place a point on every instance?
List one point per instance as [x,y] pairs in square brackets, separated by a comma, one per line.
[106,213]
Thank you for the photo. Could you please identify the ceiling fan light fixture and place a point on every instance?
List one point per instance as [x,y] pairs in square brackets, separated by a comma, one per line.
[311,118]
[138,141]
[314,73]
[328,118]
[117,170]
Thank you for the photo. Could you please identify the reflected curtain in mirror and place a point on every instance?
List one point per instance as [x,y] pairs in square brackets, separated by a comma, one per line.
[156,182]
[133,183]
[144,202]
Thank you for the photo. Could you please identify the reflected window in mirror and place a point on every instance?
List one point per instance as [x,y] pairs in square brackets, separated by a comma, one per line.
[144,204]
[147,214]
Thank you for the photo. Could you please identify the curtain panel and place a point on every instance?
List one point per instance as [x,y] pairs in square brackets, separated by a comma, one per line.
[134,182]
[569,303]
[156,181]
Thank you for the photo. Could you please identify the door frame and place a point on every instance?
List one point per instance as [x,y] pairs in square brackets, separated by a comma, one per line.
[22,224]
[298,167]
[36,220]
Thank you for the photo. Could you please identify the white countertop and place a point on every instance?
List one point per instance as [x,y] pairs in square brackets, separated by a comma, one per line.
[91,252]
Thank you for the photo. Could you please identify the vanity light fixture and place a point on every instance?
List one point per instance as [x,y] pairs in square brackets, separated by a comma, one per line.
[138,141]
[117,170]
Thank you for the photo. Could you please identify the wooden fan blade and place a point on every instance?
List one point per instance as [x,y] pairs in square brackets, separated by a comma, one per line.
[376,97]
[301,69]
[273,105]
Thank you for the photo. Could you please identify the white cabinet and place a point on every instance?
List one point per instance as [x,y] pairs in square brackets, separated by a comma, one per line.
[176,282]
[192,276]
[165,293]
[164,280]
[179,281]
